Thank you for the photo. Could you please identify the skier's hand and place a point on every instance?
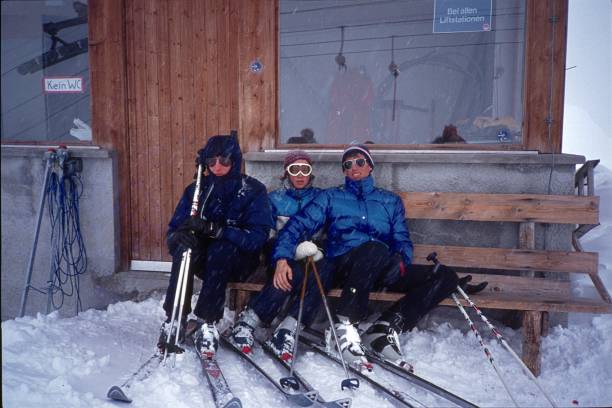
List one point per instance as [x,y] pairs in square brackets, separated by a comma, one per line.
[182,240]
[283,275]
[201,227]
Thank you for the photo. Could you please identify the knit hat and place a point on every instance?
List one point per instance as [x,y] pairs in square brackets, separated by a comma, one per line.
[295,155]
[358,148]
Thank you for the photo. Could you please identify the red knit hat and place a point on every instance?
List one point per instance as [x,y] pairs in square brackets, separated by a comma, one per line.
[295,155]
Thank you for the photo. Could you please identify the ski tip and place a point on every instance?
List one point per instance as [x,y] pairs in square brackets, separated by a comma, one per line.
[233,403]
[115,393]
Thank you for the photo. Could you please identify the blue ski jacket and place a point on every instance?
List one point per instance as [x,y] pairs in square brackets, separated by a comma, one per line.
[288,201]
[239,203]
[353,214]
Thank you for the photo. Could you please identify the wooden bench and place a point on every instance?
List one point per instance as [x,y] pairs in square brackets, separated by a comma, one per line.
[524,289]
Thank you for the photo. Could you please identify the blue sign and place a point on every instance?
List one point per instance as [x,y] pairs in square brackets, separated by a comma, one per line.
[460,16]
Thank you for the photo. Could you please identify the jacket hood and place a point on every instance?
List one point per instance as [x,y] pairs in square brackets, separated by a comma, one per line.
[225,146]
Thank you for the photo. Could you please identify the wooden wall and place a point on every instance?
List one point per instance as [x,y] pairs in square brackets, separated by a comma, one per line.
[545,48]
[184,69]
[167,74]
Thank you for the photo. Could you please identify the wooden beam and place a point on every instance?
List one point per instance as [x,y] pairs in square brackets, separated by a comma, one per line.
[532,339]
[512,259]
[555,209]
[109,100]
[544,81]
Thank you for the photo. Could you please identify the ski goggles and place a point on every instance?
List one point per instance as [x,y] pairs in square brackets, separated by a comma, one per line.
[348,164]
[297,169]
[224,161]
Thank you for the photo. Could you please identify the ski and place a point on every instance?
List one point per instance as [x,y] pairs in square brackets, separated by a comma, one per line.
[399,396]
[221,392]
[118,392]
[302,399]
[222,395]
[340,403]
[418,381]
[406,371]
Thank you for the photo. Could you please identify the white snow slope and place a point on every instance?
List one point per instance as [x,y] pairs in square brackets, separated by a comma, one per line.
[71,362]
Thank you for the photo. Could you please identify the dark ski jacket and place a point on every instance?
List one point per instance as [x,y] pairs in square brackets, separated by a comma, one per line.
[239,203]
[353,214]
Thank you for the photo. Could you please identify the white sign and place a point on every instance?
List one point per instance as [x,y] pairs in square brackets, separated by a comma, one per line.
[63,84]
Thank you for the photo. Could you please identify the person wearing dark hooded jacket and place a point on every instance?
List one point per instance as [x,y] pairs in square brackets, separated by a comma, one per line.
[226,236]
[297,193]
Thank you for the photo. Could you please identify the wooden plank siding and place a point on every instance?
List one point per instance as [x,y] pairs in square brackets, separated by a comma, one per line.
[183,60]
[166,75]
[559,209]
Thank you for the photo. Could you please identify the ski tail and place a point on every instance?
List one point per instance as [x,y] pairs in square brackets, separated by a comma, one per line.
[302,382]
[302,399]
[118,392]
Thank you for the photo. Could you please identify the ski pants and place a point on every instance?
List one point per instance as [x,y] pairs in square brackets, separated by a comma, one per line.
[423,291]
[216,264]
[267,304]
[357,271]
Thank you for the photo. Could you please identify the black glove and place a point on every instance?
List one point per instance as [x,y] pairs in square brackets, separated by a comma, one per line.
[181,240]
[202,228]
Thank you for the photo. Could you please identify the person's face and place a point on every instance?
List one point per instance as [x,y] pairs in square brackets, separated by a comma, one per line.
[299,173]
[359,167]
[219,165]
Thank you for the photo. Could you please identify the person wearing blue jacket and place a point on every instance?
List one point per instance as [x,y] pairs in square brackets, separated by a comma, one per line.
[226,236]
[368,247]
[296,194]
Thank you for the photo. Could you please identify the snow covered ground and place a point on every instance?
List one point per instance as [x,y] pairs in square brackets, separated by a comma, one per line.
[71,362]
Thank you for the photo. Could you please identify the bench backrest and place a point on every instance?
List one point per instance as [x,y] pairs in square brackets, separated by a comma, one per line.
[526,209]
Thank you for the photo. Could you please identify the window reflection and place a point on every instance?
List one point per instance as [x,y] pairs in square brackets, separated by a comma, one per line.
[375,70]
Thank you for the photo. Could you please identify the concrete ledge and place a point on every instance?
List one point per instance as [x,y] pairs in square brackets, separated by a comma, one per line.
[27,151]
[430,156]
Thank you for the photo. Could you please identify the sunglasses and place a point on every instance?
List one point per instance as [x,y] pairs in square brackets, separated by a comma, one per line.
[349,163]
[224,161]
[297,169]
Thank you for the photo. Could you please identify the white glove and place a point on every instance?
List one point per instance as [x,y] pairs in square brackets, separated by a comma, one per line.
[306,249]
[281,220]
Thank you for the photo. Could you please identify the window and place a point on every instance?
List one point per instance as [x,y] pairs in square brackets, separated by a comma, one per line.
[45,71]
[403,72]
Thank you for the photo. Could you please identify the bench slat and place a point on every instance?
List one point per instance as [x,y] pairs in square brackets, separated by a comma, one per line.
[556,209]
[503,292]
[511,259]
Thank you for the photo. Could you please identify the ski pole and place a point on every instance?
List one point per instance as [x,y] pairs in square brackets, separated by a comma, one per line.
[183,277]
[503,341]
[291,381]
[348,382]
[484,348]
[50,157]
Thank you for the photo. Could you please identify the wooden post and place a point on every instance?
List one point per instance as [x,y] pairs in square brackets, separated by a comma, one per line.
[532,331]
[241,299]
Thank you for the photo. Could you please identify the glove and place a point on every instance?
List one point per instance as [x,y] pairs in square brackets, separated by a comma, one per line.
[306,249]
[203,228]
[181,240]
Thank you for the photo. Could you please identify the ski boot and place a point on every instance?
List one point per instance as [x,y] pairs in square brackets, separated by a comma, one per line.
[283,340]
[382,339]
[166,339]
[207,340]
[243,333]
[350,344]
